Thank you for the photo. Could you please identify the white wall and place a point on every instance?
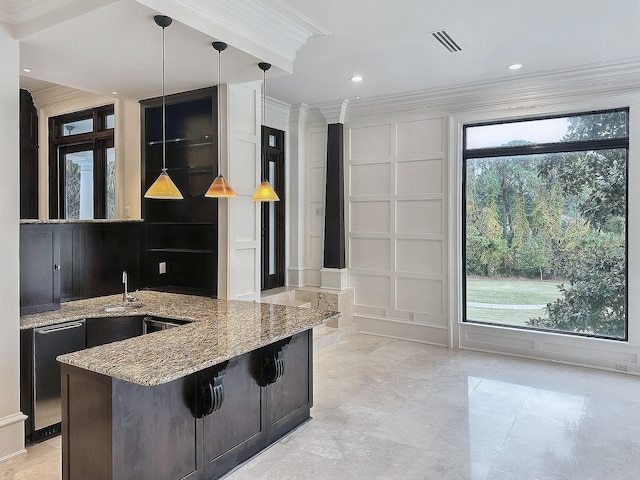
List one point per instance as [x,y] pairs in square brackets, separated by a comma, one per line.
[404,214]
[239,218]
[11,420]
[59,100]
[396,203]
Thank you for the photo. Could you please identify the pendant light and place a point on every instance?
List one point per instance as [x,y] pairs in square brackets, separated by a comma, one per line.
[220,188]
[265,192]
[163,188]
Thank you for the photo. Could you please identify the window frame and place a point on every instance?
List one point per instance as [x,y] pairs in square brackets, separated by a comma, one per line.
[539,149]
[98,140]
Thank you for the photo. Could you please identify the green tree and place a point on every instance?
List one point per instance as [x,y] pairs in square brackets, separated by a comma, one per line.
[595,259]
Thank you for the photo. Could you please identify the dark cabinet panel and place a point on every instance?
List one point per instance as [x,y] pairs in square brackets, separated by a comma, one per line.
[165,432]
[28,156]
[108,249]
[101,331]
[39,268]
[240,417]
[292,393]
[65,261]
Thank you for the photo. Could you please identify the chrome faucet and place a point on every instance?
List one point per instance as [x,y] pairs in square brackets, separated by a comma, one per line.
[125,295]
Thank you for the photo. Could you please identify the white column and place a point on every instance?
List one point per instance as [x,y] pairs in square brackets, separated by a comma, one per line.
[11,419]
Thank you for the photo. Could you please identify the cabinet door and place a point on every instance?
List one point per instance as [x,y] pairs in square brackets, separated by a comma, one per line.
[289,399]
[235,432]
[39,268]
[113,329]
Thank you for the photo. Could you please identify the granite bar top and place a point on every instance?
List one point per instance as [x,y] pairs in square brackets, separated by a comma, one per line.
[35,221]
[219,330]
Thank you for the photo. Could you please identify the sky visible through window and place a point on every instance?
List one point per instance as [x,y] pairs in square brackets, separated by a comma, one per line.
[535,131]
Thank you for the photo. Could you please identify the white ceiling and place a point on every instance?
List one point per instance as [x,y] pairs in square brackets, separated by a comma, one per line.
[114,45]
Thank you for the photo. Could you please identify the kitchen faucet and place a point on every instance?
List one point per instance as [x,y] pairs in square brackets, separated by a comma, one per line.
[125,295]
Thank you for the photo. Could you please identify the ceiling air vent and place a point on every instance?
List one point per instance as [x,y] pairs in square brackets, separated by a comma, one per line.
[446,41]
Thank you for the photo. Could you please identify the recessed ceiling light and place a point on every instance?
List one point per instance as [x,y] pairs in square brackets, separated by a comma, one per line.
[357,97]
[356,78]
[514,66]
[115,92]
[26,69]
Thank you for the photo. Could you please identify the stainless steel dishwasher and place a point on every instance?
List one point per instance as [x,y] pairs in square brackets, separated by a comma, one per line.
[48,343]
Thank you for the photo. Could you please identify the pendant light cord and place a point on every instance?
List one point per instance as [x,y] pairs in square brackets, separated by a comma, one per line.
[219,130]
[164,128]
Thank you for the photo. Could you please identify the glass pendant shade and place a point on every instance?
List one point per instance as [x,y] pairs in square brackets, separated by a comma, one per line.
[163,188]
[220,188]
[265,193]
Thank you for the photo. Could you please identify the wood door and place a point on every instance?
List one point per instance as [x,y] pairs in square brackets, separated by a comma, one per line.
[273,219]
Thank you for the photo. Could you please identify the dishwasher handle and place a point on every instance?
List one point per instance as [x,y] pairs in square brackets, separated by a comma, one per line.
[58,328]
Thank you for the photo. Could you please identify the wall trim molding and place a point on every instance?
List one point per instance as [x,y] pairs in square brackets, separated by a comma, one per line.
[392,328]
[531,92]
[12,436]
[610,355]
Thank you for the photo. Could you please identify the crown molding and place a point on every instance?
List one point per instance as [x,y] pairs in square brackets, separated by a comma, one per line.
[277,113]
[50,94]
[334,112]
[529,92]
[249,25]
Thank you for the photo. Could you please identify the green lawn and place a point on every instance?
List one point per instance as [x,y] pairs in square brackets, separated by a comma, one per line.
[508,292]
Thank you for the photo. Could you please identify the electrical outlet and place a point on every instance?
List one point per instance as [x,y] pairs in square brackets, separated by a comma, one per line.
[162,267]
[318,211]
[622,366]
[127,211]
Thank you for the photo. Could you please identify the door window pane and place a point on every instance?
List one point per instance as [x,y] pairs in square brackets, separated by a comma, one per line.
[111,182]
[272,223]
[79,185]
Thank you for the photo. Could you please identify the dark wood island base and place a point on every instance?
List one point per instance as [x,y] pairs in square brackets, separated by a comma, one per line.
[199,426]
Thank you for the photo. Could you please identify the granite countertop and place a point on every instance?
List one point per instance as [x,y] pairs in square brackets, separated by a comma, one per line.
[219,330]
[30,221]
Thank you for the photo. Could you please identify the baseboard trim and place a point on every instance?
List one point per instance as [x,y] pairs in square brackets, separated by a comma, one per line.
[391,328]
[12,436]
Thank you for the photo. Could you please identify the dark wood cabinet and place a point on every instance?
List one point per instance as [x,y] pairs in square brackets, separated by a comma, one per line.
[28,156]
[181,234]
[39,268]
[66,261]
[114,429]
[101,331]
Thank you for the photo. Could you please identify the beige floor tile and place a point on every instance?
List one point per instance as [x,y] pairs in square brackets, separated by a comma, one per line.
[388,409]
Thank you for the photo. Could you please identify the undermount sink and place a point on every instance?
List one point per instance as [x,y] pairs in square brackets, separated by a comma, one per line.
[122,307]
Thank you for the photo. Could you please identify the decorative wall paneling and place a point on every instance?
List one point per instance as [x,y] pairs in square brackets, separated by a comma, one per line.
[397,230]
[239,225]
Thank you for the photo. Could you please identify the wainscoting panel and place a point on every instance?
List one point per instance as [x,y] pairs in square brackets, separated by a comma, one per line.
[372,290]
[370,217]
[419,136]
[419,216]
[370,253]
[419,256]
[243,168]
[370,142]
[397,217]
[419,176]
[419,295]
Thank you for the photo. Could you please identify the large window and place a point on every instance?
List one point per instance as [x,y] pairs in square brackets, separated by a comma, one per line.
[545,223]
[82,165]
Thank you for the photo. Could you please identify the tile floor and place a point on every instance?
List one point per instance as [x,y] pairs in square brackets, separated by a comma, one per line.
[389,409]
